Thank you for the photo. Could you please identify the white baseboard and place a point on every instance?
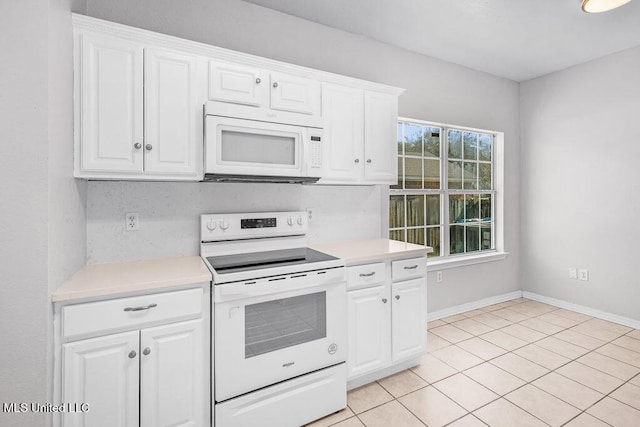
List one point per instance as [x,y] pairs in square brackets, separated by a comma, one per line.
[626,321]
[473,305]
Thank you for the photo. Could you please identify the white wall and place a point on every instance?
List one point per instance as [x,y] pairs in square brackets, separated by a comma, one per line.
[579,161]
[436,90]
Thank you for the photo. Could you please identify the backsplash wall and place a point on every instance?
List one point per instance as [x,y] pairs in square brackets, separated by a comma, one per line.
[169,214]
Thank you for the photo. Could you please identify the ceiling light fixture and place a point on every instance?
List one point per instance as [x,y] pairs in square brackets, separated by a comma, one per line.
[597,6]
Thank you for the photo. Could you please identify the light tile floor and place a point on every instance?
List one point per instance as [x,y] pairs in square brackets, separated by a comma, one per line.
[517,363]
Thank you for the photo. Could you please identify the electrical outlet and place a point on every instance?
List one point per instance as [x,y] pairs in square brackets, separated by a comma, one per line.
[309,214]
[131,221]
[583,274]
[438,276]
[573,273]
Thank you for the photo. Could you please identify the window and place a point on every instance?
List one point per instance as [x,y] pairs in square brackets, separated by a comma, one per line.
[445,197]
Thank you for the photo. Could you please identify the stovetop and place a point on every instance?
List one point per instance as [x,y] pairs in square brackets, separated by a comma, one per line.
[268,259]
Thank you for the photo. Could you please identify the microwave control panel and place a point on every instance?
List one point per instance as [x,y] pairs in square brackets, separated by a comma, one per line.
[316,149]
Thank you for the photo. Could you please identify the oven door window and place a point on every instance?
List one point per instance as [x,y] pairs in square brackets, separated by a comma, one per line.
[268,148]
[282,323]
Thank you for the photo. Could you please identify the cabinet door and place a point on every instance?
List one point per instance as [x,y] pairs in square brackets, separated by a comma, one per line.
[343,113]
[173,378]
[103,373]
[408,319]
[368,323]
[295,94]
[108,106]
[380,127]
[172,114]
[237,84]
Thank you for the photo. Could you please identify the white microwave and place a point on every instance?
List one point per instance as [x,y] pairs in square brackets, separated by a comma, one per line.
[246,144]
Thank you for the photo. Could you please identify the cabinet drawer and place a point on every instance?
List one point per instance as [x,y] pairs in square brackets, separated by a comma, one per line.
[408,268]
[363,276]
[129,313]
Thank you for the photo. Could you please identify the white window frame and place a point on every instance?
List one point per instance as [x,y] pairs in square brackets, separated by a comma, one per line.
[457,260]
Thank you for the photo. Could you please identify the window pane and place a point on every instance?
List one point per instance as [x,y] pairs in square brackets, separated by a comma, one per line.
[454,138]
[456,209]
[433,210]
[415,235]
[432,174]
[400,173]
[412,140]
[455,175]
[484,176]
[470,143]
[412,173]
[456,239]
[432,142]
[472,207]
[485,236]
[470,175]
[485,207]
[396,211]
[396,235]
[433,240]
[486,142]
[400,138]
[473,238]
[415,210]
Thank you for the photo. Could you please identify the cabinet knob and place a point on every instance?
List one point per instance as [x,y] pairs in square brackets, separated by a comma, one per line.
[147,350]
[258,81]
[397,296]
[368,160]
[148,147]
[137,146]
[275,84]
[384,300]
[357,160]
[132,354]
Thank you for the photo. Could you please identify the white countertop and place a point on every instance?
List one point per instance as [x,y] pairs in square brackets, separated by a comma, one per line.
[115,278]
[371,250]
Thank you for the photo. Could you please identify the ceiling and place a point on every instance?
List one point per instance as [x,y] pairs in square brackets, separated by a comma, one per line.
[516,39]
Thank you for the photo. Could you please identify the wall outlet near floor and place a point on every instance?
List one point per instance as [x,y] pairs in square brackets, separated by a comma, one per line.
[573,273]
[131,221]
[309,214]
[583,274]
[438,276]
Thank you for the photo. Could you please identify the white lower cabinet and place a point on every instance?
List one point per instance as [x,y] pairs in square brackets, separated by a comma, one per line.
[386,321]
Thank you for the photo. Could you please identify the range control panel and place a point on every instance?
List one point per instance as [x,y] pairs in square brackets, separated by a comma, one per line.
[235,226]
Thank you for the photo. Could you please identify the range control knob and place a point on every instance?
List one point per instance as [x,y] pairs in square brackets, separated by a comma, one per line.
[291,220]
[211,225]
[300,220]
[224,224]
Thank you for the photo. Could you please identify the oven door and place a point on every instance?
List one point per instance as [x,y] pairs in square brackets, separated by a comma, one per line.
[245,147]
[262,340]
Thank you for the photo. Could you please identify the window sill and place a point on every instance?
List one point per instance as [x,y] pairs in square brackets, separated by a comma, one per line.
[464,260]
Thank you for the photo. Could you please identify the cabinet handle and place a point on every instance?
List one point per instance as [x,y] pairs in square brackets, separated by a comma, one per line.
[258,81]
[132,354]
[137,146]
[275,84]
[384,300]
[147,350]
[357,160]
[367,274]
[368,160]
[397,296]
[413,267]
[140,308]
[148,147]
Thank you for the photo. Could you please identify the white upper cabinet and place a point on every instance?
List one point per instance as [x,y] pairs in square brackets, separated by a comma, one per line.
[172,117]
[360,146]
[380,145]
[238,84]
[294,94]
[343,113]
[108,99]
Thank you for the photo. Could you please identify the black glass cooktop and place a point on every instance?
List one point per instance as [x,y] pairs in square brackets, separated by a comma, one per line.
[269,259]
